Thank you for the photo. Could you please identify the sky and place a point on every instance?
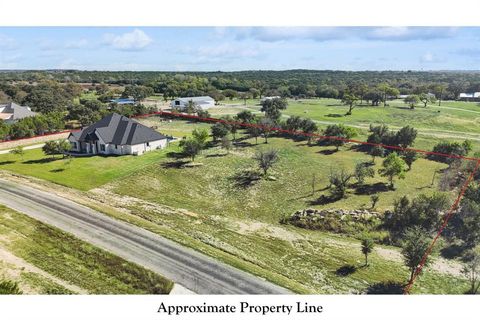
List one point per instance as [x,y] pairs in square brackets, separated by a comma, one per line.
[240,48]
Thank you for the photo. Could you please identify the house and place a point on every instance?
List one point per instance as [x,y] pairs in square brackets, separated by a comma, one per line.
[475,96]
[203,103]
[12,112]
[122,101]
[117,135]
[269,98]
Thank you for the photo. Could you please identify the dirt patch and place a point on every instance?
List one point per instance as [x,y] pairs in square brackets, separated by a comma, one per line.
[106,195]
[264,229]
[441,265]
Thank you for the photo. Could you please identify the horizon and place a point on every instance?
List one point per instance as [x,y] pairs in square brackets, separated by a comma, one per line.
[235,49]
[238,71]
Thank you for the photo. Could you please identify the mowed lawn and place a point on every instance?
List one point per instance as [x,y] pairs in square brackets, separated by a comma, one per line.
[450,116]
[83,173]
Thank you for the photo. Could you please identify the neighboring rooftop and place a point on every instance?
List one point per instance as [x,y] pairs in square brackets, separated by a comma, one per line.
[196,99]
[118,129]
[12,111]
[469,95]
[123,101]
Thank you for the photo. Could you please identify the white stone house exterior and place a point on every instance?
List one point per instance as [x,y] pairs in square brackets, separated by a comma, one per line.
[116,135]
[204,102]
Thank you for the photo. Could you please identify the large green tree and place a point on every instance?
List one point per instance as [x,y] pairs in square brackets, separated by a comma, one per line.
[272,108]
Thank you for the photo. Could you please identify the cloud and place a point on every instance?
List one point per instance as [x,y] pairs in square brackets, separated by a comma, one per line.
[76,44]
[227,50]
[410,33]
[273,34]
[7,43]
[429,57]
[46,44]
[135,40]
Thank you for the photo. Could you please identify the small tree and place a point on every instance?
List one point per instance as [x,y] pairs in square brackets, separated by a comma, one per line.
[18,151]
[471,270]
[367,247]
[273,107]
[219,131]
[266,127]
[245,116]
[200,136]
[226,144]
[374,199]
[362,171]
[255,131]
[266,159]
[56,147]
[191,107]
[309,127]
[412,100]
[339,183]
[337,134]
[409,157]
[413,249]
[393,166]
[191,148]
[426,98]
[351,101]
[377,151]
[405,137]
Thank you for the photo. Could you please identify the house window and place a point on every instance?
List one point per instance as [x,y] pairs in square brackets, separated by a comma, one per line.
[102,147]
[148,144]
[177,103]
[116,146]
[74,145]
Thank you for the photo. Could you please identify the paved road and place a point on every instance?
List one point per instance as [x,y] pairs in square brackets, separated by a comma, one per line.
[184,266]
[35,146]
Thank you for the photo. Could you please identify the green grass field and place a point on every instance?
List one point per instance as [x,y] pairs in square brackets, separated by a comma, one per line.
[72,260]
[81,173]
[453,120]
[243,223]
[205,208]
[451,115]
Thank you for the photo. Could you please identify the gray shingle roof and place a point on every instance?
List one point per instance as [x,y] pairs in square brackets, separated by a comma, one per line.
[118,129]
[19,112]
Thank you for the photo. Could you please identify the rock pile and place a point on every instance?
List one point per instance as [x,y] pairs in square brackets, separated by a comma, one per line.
[317,215]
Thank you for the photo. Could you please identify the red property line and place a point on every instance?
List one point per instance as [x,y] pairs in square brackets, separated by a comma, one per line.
[451,212]
[39,136]
[302,133]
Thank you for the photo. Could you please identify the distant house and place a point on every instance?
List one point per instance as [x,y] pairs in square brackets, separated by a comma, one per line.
[475,96]
[269,98]
[123,101]
[203,103]
[12,112]
[118,135]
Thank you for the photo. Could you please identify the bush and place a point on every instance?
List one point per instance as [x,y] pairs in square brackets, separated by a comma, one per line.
[450,148]
[9,287]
